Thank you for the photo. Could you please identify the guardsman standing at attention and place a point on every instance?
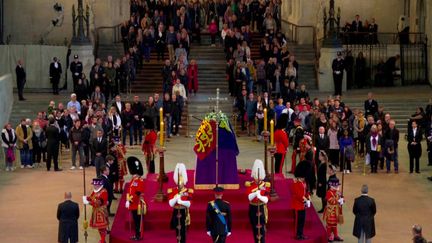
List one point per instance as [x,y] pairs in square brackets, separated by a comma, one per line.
[218,220]
[179,198]
[135,196]
[301,199]
[333,210]
[99,201]
[76,69]
[258,192]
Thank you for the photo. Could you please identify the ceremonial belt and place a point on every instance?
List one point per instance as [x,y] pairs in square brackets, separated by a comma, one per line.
[257,204]
[180,207]
[220,215]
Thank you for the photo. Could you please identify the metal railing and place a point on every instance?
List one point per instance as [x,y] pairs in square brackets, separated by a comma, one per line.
[413,63]
[386,38]
[292,33]
[107,34]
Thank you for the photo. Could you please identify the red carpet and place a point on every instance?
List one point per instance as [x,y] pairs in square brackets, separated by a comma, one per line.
[156,223]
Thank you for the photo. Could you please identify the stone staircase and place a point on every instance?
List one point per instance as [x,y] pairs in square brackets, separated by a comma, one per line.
[211,75]
[305,56]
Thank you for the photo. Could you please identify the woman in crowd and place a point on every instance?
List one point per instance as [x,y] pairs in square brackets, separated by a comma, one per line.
[346,144]
[192,73]
[334,143]
[259,117]
[373,148]
[9,139]
[322,179]
[39,144]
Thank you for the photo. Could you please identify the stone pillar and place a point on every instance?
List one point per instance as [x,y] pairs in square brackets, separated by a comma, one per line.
[325,78]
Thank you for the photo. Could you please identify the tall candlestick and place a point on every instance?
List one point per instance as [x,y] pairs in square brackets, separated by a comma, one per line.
[265,119]
[272,132]
[161,114]
[161,134]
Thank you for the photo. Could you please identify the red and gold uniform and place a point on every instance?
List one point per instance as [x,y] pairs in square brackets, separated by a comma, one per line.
[258,211]
[136,204]
[148,148]
[300,196]
[180,218]
[99,217]
[99,201]
[332,211]
[120,154]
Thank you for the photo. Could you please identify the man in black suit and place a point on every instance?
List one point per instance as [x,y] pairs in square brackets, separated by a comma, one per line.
[338,67]
[356,27]
[76,69]
[99,145]
[364,210]
[322,143]
[55,72]
[241,106]
[107,184]
[20,78]
[370,105]
[52,134]
[414,147]
[392,134]
[218,219]
[67,215]
[118,104]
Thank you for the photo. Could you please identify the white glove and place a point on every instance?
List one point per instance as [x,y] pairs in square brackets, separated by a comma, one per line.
[209,233]
[127,204]
[341,201]
[308,203]
[229,233]
[258,193]
[85,201]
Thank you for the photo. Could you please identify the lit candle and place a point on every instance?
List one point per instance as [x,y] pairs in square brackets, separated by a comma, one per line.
[161,114]
[161,134]
[272,132]
[265,119]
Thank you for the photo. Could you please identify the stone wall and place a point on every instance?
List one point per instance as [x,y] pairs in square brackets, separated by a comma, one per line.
[310,12]
[27,21]
[36,59]
[6,98]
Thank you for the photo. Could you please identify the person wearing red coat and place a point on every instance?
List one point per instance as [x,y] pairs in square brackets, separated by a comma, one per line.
[192,72]
[119,152]
[300,199]
[281,141]
[135,197]
[149,149]
[333,209]
[98,199]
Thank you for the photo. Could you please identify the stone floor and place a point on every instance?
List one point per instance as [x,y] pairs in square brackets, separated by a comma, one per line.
[29,197]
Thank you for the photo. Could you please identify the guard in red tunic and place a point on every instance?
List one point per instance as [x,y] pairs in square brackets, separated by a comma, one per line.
[99,201]
[135,197]
[258,192]
[149,148]
[281,142]
[119,151]
[333,209]
[179,198]
[300,199]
